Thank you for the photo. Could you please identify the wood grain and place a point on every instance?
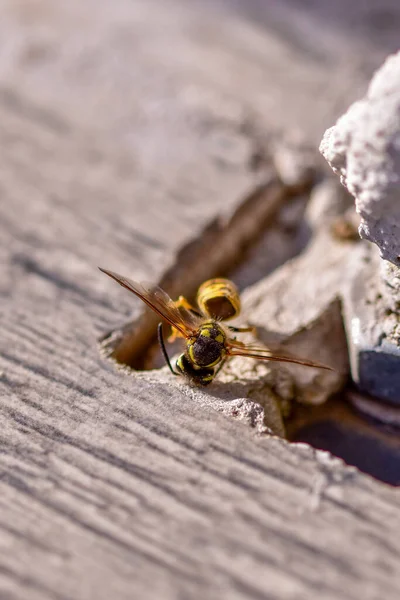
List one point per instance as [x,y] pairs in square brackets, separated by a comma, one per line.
[117,486]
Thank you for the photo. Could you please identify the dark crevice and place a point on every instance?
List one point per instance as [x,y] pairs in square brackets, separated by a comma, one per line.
[221,248]
[337,427]
[237,246]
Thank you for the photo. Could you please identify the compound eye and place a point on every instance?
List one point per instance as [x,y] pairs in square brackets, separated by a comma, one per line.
[182,364]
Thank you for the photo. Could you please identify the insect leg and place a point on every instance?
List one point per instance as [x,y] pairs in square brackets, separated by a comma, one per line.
[163,350]
[184,303]
[241,329]
[181,302]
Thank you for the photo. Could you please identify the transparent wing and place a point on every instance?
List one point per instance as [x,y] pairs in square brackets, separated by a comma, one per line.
[259,352]
[179,317]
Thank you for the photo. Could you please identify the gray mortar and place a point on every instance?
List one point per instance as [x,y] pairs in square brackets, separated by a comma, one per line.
[363,148]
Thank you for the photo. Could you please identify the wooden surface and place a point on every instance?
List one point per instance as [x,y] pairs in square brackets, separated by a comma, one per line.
[126,129]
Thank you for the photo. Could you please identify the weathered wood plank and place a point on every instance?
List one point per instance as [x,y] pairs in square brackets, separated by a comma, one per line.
[113,483]
[115,486]
[120,68]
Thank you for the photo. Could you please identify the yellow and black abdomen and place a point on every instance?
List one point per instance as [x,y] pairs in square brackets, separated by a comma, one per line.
[219,299]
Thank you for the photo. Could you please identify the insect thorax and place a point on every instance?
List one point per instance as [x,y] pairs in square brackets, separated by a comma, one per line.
[208,347]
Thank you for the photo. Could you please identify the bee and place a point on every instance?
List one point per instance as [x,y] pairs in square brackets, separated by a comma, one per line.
[209,343]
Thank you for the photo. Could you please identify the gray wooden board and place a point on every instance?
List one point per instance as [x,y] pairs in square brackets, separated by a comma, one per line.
[121,67]
[134,487]
[117,486]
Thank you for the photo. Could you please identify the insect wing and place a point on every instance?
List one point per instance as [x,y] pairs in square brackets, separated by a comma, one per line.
[159,301]
[236,348]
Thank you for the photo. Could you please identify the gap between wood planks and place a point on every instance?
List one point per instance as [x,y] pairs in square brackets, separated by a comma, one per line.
[220,248]
[223,248]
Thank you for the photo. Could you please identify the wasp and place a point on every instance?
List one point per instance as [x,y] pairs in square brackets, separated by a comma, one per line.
[216,299]
[209,343]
